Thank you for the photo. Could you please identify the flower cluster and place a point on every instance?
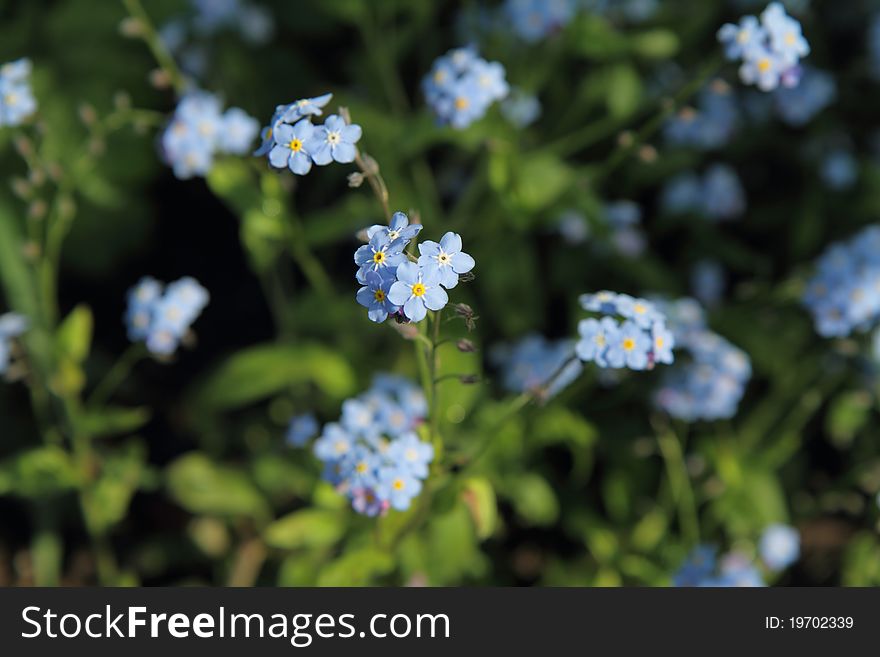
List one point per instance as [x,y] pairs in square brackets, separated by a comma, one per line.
[535,363]
[718,194]
[462,85]
[844,294]
[703,568]
[770,49]
[710,124]
[395,285]
[199,130]
[292,141]
[12,325]
[779,546]
[373,454]
[163,317]
[637,342]
[16,98]
[709,384]
[533,20]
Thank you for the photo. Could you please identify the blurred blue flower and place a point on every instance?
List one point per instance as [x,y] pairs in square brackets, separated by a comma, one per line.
[198,131]
[302,429]
[839,169]
[798,105]
[707,281]
[521,108]
[844,294]
[417,290]
[446,259]
[17,101]
[708,381]
[708,126]
[699,567]
[529,364]
[373,455]
[12,325]
[163,318]
[573,227]
[534,20]
[780,546]
[723,194]
[461,86]
[335,140]
[703,569]
[770,50]
[595,336]
[682,194]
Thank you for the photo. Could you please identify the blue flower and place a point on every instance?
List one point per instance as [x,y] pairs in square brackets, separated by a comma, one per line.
[711,124]
[12,325]
[797,106]
[302,429]
[534,20]
[335,140]
[529,364]
[699,566]
[780,546]
[520,108]
[629,348]
[398,228]
[682,194]
[446,258]
[238,131]
[786,38]
[417,290]
[595,336]
[304,107]
[17,101]
[291,147]
[162,319]
[740,40]
[379,255]
[360,467]
[707,281]
[374,297]
[398,486]
[365,501]
[839,169]
[333,443]
[461,86]
[412,454]
[763,68]
[723,194]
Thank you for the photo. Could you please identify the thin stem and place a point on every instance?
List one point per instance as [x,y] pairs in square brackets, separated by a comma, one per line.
[154,42]
[116,375]
[376,181]
[432,373]
[679,482]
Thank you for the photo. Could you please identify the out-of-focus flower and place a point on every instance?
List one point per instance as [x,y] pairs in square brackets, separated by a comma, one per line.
[529,365]
[839,169]
[162,318]
[780,546]
[798,105]
[717,195]
[534,20]
[710,124]
[17,101]
[707,281]
[12,325]
[302,429]
[521,108]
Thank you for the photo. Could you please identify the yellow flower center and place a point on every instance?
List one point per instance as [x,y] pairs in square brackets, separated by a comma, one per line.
[10,99]
[361,468]
[439,76]
[790,38]
[659,342]
[205,128]
[295,145]
[393,235]
[397,484]
[600,340]
[340,447]
[764,65]
[379,295]
[640,309]
[629,344]
[742,36]
[461,103]
[411,454]
[379,257]
[418,290]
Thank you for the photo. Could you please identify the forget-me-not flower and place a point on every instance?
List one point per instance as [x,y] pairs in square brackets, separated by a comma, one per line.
[446,258]
[417,290]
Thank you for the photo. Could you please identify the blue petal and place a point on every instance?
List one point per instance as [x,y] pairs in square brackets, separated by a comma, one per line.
[344,153]
[451,242]
[408,272]
[399,293]
[448,278]
[365,297]
[300,163]
[414,309]
[278,156]
[462,263]
[436,298]
[321,152]
[428,248]
[351,133]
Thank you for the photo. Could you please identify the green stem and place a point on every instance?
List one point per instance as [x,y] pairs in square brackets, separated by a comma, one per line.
[307,261]
[679,483]
[154,42]
[434,408]
[116,375]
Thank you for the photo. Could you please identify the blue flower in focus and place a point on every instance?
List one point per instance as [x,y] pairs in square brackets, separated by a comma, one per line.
[398,228]
[17,101]
[302,429]
[528,365]
[417,290]
[335,140]
[12,325]
[379,255]
[163,318]
[291,147]
[780,546]
[374,297]
[446,259]
[302,108]
[534,20]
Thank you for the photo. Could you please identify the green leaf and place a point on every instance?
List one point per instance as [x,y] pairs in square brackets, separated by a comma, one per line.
[357,568]
[310,528]
[848,414]
[539,180]
[534,500]
[479,498]
[595,38]
[38,472]
[259,372]
[106,503]
[624,90]
[112,421]
[655,44]
[74,336]
[204,487]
